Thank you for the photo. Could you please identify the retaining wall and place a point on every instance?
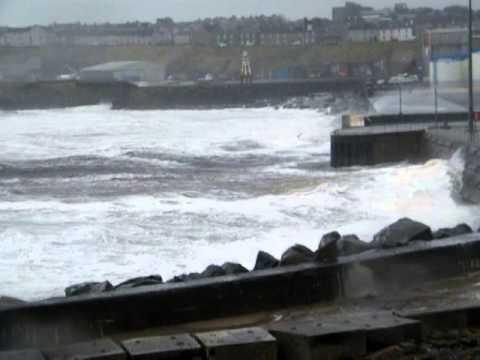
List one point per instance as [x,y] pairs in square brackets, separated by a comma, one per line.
[416,118]
[58,94]
[67,320]
[372,148]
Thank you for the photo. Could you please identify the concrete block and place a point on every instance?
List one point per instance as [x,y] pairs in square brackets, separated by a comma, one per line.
[104,349]
[22,355]
[342,336]
[441,319]
[239,344]
[309,340]
[175,347]
[384,329]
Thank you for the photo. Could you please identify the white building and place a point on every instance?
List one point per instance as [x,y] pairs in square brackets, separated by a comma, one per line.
[396,34]
[446,56]
[127,71]
[25,37]
[112,40]
[381,34]
[363,35]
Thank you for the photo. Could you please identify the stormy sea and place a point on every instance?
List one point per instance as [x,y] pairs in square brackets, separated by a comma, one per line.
[90,194]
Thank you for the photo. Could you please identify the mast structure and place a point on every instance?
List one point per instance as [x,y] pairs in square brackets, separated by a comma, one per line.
[246,69]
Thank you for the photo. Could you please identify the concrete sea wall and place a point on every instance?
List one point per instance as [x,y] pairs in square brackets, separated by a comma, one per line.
[67,320]
[372,148]
[228,94]
[57,94]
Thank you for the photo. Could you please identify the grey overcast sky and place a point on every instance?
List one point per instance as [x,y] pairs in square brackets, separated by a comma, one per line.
[29,12]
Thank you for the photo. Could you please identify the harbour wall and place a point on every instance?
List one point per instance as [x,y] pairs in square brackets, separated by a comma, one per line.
[59,94]
[368,147]
[229,94]
[390,138]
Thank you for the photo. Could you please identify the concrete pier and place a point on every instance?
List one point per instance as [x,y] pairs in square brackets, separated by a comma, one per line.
[386,138]
[377,144]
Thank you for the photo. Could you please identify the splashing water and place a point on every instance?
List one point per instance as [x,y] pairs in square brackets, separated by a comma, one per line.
[93,194]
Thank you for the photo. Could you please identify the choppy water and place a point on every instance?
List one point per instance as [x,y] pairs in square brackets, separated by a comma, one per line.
[94,194]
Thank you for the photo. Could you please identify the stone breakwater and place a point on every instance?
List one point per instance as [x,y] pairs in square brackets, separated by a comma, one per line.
[332,246]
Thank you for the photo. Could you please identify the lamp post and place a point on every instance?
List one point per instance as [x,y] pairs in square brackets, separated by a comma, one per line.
[471,110]
[400,100]
[435,91]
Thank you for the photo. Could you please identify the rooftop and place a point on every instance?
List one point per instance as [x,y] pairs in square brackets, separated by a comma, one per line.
[116,65]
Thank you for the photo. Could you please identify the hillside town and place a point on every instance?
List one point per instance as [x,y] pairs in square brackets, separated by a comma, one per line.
[349,24]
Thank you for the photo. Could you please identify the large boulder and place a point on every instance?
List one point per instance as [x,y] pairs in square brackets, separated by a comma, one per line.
[88,288]
[351,245]
[458,230]
[330,237]
[265,261]
[327,251]
[213,271]
[184,278]
[234,268]
[140,281]
[401,233]
[297,254]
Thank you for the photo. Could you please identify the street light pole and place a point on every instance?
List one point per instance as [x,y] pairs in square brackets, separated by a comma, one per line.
[400,100]
[471,110]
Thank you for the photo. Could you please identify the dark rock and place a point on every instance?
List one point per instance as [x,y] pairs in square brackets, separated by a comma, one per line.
[140,281]
[401,233]
[234,268]
[88,288]
[328,249]
[458,230]
[327,238]
[297,254]
[184,278]
[213,271]
[351,245]
[7,301]
[265,261]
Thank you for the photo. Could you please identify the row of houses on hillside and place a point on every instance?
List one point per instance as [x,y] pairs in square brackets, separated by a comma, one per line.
[369,33]
[37,36]
[89,35]
[247,39]
[212,33]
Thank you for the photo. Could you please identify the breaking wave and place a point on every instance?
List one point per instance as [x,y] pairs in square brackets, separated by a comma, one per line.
[92,194]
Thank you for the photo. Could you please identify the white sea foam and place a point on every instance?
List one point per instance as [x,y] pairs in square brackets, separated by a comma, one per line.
[98,131]
[50,242]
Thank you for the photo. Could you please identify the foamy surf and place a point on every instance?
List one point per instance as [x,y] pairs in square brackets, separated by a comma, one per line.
[94,194]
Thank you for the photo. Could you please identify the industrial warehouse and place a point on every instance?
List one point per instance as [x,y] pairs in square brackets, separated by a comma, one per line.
[128,71]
